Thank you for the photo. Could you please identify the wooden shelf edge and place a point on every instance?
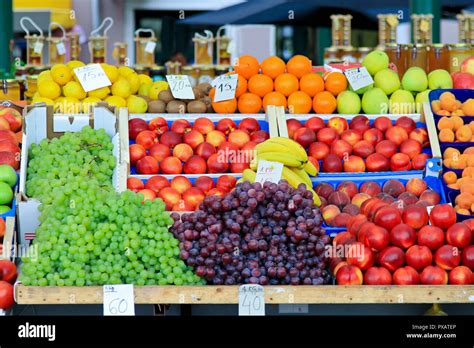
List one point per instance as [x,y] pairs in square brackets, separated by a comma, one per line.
[326,294]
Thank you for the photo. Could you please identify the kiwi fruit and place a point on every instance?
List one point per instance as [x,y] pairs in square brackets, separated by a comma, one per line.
[208,102]
[204,87]
[197,107]
[198,94]
[176,107]
[166,96]
[156,107]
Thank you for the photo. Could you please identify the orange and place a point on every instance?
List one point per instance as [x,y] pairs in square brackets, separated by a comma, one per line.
[299,66]
[247,66]
[286,84]
[249,103]
[336,83]
[260,85]
[311,84]
[274,98]
[273,66]
[468,107]
[299,103]
[241,86]
[225,106]
[324,103]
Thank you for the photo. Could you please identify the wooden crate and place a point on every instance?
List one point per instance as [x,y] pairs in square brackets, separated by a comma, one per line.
[325,294]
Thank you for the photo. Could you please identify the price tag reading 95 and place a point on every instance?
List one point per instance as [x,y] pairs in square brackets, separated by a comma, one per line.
[358,78]
[225,87]
[119,300]
[251,300]
[92,77]
[180,86]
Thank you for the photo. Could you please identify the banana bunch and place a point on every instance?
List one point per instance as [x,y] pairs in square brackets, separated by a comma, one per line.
[296,167]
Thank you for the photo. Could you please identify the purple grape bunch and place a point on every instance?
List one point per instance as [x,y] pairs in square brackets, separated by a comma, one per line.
[256,234]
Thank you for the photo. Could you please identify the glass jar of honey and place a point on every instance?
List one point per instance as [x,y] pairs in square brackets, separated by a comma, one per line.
[457,54]
[417,55]
[203,48]
[31,87]
[145,48]
[56,45]
[397,54]
[120,53]
[98,43]
[332,55]
[10,90]
[74,46]
[438,57]
[34,43]
[193,74]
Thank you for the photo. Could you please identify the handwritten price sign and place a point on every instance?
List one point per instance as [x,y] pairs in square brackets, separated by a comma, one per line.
[119,300]
[180,86]
[92,77]
[225,87]
[251,300]
[268,171]
[358,78]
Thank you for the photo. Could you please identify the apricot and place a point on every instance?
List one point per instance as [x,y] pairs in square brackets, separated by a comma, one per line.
[447,95]
[457,121]
[468,172]
[468,107]
[446,123]
[450,177]
[458,163]
[446,135]
[468,151]
[470,160]
[467,186]
[448,104]
[464,200]
[451,153]
[444,113]
[435,105]
[464,134]
[463,211]
[471,124]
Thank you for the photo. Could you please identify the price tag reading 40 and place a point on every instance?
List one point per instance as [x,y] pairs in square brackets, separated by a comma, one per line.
[180,86]
[251,300]
[92,77]
[119,300]
[225,87]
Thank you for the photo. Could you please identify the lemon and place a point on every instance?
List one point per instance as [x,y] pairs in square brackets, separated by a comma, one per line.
[100,93]
[121,88]
[45,76]
[74,89]
[144,89]
[156,88]
[136,105]
[113,100]
[134,82]
[74,64]
[125,71]
[88,103]
[145,79]
[48,101]
[111,72]
[71,105]
[61,74]
[49,89]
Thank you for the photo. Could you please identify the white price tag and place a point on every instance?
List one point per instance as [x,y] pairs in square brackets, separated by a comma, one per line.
[251,300]
[268,171]
[61,48]
[180,86]
[150,47]
[38,47]
[119,300]
[92,77]
[225,87]
[358,78]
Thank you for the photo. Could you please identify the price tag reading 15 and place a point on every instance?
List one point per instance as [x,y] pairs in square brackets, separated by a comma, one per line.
[251,300]
[119,300]
[92,77]
[180,86]
[225,87]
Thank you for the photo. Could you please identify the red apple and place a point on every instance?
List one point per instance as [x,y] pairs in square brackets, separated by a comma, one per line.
[420,135]
[360,124]
[354,164]
[434,275]
[181,151]
[341,148]
[204,183]
[193,138]
[170,197]
[406,276]
[326,135]
[376,238]
[249,125]
[146,138]
[226,125]
[148,195]
[372,188]
[203,125]
[216,164]
[259,136]
[377,276]
[332,164]
[418,257]
[171,165]
[304,136]
[419,161]
[391,258]
[195,165]
[406,123]
[158,124]
[447,257]
[443,216]
[226,182]
[351,136]
[193,196]
[171,138]
[411,148]
[360,255]
[180,183]
[403,236]
[293,125]
[400,162]
[459,235]
[396,134]
[13,117]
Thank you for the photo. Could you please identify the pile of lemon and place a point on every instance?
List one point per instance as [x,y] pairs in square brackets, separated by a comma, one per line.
[59,86]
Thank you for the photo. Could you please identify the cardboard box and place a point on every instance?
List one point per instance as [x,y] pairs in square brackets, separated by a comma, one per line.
[41,123]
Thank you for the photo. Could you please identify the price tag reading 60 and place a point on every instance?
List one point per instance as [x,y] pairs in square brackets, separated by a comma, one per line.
[119,300]
[251,300]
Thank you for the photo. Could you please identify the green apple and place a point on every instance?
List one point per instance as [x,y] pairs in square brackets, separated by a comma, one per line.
[439,78]
[375,61]
[348,102]
[402,102]
[387,80]
[421,98]
[6,193]
[4,209]
[415,80]
[7,175]
[375,101]
[361,90]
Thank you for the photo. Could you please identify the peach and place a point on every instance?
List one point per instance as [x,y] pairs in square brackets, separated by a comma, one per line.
[324,190]
[406,123]
[351,209]
[314,123]
[363,149]
[182,151]
[408,198]
[180,183]
[359,198]
[339,199]
[354,164]
[387,148]
[318,150]
[215,138]
[360,124]
[377,163]
[136,126]
[343,238]
[238,167]
[203,125]
[349,275]
[135,184]
[341,220]
[147,165]
[249,125]
[338,123]
[156,183]
[205,150]
[416,186]
[341,148]
[329,213]
[171,139]
[419,257]
[169,196]
[195,165]
[146,139]
[351,136]
[205,183]
[332,164]
[13,117]
[226,182]
[160,151]
[373,136]
[158,124]
[348,187]
[411,148]
[216,164]
[419,161]
[148,195]
[193,138]
[193,196]
[361,256]
[403,236]
[4,125]
[327,135]
[377,276]
[461,275]
[293,125]
[387,217]
[415,216]
[182,206]
[400,162]
[371,188]
[216,192]
[387,198]
[304,136]
[459,235]
[136,152]
[225,125]
[394,188]
[447,257]
[382,123]
[396,134]
[355,223]
[420,135]
[171,165]
[239,138]
[376,238]
[259,136]
[181,126]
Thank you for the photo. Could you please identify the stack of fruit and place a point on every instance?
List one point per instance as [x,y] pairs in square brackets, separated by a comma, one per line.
[10,137]
[387,245]
[465,77]
[203,147]
[296,165]
[256,234]
[8,274]
[341,202]
[360,146]
[447,105]
[8,179]
[180,194]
